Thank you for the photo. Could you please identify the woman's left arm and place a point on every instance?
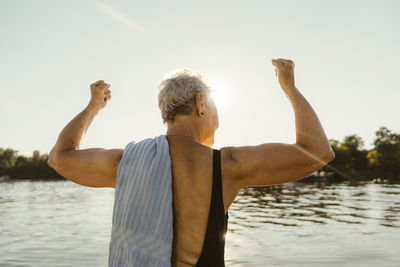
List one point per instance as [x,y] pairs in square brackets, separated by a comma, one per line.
[94,167]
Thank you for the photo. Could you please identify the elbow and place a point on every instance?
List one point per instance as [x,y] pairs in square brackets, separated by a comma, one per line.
[320,155]
[329,156]
[333,155]
[323,159]
[51,162]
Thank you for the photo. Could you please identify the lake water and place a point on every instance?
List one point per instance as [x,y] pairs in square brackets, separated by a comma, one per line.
[59,223]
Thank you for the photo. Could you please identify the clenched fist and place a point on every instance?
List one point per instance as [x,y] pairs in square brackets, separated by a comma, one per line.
[100,94]
[284,70]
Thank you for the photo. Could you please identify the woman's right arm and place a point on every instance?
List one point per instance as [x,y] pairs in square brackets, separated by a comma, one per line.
[278,163]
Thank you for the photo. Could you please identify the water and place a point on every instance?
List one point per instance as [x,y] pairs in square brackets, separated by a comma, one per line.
[59,223]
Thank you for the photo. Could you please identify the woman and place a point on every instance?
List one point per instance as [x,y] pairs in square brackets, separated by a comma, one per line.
[205,180]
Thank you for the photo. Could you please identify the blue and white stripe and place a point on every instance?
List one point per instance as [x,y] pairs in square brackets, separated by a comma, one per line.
[142,222]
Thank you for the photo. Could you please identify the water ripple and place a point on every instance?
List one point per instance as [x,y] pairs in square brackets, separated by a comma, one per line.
[63,224]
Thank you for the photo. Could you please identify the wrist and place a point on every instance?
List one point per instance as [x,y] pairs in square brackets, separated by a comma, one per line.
[289,89]
[93,107]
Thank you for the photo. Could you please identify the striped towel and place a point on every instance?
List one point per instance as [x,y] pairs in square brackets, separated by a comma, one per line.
[142,222]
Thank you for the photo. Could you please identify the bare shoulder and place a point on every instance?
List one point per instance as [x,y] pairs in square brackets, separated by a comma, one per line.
[272,163]
[228,165]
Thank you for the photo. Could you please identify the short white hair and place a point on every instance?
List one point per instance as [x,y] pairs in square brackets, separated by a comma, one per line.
[177,93]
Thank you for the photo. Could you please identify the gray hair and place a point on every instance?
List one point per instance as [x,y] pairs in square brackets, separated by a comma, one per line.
[177,93]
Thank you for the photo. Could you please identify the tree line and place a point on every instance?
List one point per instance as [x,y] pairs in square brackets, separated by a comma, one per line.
[352,162]
[21,167]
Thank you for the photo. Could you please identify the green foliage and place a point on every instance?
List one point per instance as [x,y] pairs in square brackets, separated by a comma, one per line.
[353,162]
[7,159]
[21,167]
[386,155]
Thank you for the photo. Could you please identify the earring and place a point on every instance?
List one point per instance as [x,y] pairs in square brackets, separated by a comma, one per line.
[202,113]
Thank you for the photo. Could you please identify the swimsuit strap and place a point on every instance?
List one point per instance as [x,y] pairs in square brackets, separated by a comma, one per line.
[214,242]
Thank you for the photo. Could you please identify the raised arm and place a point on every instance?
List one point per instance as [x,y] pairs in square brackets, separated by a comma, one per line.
[279,163]
[93,167]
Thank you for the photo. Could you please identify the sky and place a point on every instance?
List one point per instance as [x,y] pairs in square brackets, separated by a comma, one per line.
[346,56]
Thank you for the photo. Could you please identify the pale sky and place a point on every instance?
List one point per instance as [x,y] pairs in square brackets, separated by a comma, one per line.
[346,56]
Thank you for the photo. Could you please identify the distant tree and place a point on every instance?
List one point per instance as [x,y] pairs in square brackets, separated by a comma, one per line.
[7,159]
[373,161]
[21,161]
[385,157]
[21,167]
[358,156]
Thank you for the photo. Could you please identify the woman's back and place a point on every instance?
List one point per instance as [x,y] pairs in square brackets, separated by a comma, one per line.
[192,172]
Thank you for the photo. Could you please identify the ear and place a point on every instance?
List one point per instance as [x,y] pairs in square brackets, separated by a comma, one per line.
[200,103]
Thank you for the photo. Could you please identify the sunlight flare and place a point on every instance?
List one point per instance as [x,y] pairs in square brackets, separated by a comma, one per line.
[219,93]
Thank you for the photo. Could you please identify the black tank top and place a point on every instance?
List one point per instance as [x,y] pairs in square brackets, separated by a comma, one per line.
[212,254]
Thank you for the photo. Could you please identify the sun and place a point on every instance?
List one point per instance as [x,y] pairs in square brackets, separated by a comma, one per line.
[219,93]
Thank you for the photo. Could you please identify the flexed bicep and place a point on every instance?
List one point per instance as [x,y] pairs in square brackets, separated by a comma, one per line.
[93,167]
[275,163]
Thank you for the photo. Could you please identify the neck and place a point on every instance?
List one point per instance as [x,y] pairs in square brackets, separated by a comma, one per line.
[182,134]
[184,130]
